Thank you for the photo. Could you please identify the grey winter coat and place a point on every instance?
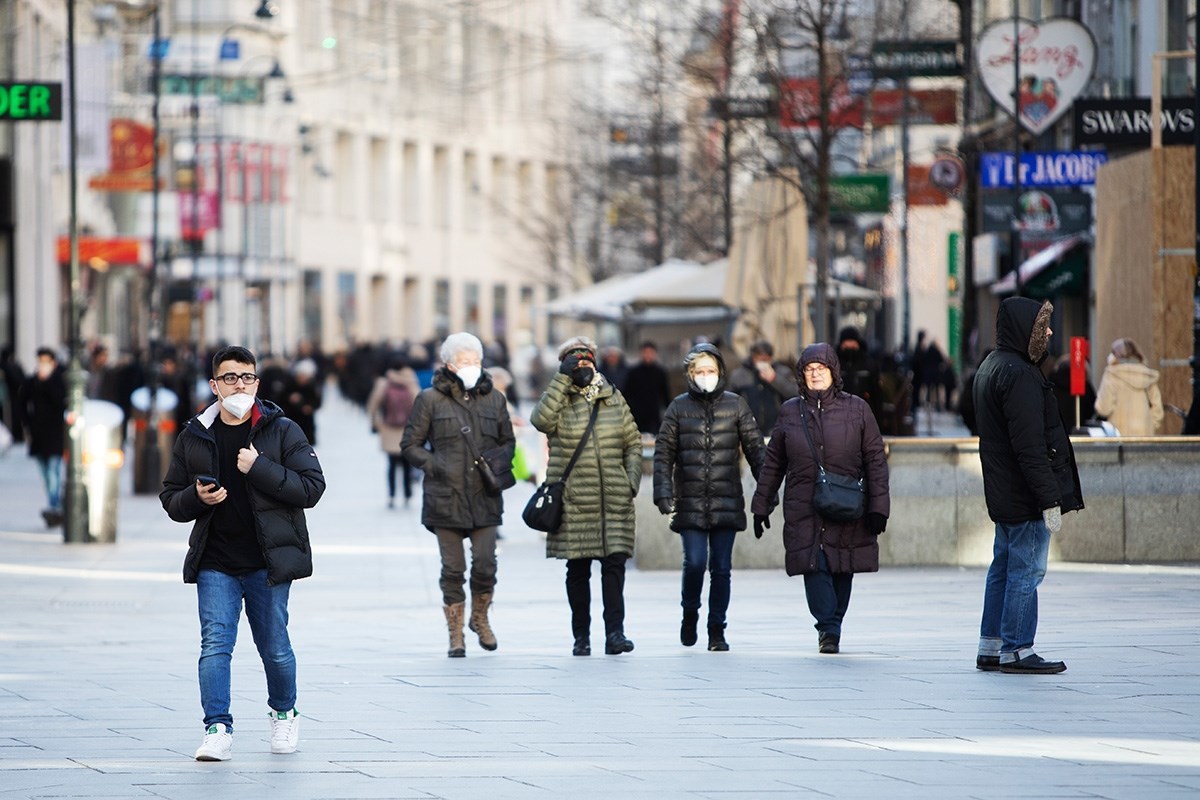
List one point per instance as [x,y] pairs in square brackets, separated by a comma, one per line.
[846,435]
[598,517]
[697,462]
[453,493]
[286,479]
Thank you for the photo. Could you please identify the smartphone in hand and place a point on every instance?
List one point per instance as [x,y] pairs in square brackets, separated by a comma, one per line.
[206,480]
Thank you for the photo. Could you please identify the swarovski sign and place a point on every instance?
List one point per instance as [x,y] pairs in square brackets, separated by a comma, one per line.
[1126,122]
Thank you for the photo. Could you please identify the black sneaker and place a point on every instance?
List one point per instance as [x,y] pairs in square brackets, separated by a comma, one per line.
[829,643]
[987,663]
[1033,664]
[582,647]
[616,643]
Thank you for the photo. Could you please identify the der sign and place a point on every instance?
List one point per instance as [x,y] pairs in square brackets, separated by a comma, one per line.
[24,100]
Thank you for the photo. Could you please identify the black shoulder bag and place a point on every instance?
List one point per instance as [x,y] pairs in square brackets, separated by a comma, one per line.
[494,464]
[544,511]
[837,498]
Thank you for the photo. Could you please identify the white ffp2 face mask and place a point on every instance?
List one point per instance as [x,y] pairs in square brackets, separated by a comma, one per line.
[707,383]
[238,404]
[469,376]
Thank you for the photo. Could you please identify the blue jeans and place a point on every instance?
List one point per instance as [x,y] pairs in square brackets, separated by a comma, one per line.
[51,468]
[697,547]
[220,599]
[1010,603]
[828,596]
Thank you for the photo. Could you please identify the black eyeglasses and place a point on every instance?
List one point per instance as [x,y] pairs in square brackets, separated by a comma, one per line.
[230,378]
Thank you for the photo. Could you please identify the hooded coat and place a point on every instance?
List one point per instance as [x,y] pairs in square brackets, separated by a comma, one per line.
[697,463]
[453,494]
[1129,397]
[598,516]
[285,479]
[390,436]
[1028,463]
[845,433]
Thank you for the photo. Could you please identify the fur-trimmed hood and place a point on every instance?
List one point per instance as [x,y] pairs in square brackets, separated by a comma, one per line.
[1021,326]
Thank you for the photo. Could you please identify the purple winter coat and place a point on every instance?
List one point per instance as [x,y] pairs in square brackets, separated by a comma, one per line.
[846,434]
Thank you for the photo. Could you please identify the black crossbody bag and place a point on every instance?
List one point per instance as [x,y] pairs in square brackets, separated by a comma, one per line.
[544,511]
[837,498]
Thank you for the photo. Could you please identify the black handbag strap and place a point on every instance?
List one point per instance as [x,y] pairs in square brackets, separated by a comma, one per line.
[465,430]
[582,441]
[808,435]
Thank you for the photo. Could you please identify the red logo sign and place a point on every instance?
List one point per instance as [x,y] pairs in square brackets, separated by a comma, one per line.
[1079,354]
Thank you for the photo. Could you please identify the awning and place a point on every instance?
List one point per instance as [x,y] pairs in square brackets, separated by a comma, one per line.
[1059,269]
[678,283]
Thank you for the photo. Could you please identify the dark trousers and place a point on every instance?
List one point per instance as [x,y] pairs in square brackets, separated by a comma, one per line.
[407,468]
[612,590]
[697,546]
[828,596]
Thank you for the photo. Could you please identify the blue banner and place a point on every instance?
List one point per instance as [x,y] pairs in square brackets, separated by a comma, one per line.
[1077,168]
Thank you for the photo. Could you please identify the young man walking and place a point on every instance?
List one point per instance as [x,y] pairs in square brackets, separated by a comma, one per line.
[242,472]
[1029,482]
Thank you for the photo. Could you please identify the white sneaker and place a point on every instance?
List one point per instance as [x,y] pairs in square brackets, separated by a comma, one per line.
[218,744]
[285,731]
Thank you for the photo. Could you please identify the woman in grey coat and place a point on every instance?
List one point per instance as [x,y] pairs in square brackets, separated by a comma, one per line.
[456,504]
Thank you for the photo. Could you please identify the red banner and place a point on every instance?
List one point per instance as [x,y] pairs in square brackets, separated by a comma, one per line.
[1079,354]
[799,106]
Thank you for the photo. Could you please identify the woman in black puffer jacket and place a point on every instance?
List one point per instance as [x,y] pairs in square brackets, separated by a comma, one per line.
[698,475]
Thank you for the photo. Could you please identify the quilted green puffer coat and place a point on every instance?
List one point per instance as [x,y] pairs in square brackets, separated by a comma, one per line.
[598,500]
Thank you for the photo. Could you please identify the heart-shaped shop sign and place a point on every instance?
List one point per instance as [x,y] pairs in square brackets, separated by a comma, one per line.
[1057,59]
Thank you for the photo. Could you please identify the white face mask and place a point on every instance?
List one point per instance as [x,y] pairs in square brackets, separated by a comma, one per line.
[238,404]
[707,383]
[469,376]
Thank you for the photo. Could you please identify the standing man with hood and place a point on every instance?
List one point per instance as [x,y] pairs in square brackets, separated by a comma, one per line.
[460,417]
[698,476]
[1029,481]
[243,473]
[845,434]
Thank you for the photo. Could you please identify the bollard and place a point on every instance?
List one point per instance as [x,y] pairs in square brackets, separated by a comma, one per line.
[102,462]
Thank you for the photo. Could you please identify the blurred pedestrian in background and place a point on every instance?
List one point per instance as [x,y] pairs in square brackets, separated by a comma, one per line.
[302,397]
[860,370]
[698,479]
[647,390]
[598,516]
[461,417]
[43,405]
[841,430]
[613,367]
[1061,378]
[764,383]
[12,378]
[1129,397]
[388,408]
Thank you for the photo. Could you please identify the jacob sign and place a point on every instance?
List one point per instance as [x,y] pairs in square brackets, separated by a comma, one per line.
[1057,58]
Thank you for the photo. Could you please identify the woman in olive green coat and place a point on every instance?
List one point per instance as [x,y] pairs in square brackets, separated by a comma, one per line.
[598,522]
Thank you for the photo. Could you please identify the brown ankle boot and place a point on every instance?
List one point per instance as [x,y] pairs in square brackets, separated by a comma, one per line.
[479,620]
[454,622]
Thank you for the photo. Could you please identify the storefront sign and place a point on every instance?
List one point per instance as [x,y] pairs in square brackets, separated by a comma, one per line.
[1057,58]
[916,58]
[1044,214]
[26,101]
[1126,122]
[865,193]
[800,106]
[1076,168]
[130,159]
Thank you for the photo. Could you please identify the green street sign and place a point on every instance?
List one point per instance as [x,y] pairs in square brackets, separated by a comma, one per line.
[865,193]
[22,101]
[916,58]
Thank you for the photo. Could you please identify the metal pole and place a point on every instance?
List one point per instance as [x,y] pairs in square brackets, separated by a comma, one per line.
[1195,410]
[905,295]
[75,519]
[149,479]
[1015,234]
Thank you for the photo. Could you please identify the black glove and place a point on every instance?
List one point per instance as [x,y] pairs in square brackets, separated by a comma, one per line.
[664,505]
[761,521]
[569,363]
[876,523]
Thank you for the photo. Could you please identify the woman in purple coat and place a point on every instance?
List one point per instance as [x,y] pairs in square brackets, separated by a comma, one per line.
[845,434]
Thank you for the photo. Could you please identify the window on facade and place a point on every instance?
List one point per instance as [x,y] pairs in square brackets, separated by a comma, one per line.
[525,188]
[524,308]
[441,309]
[472,207]
[311,313]
[441,187]
[499,311]
[347,304]
[412,184]
[345,174]
[499,206]
[471,307]
[378,175]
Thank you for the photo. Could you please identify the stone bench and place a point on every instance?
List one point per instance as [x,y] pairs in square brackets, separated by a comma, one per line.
[1142,497]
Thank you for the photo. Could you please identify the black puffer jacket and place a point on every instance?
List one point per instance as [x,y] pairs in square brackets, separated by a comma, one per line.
[286,479]
[453,492]
[1028,462]
[696,458]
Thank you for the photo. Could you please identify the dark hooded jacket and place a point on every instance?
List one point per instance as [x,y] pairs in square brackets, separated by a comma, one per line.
[286,479]
[696,458]
[860,371]
[846,435]
[1028,462]
[453,492]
